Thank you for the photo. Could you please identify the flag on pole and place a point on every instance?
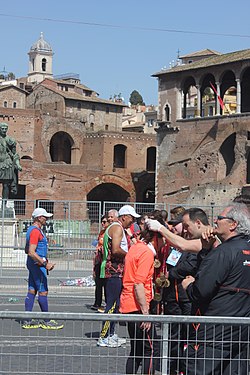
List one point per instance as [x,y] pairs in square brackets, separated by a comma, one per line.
[218,96]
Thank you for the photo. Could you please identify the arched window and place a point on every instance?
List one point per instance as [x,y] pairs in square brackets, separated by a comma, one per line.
[119,156]
[189,98]
[91,118]
[151,159]
[44,62]
[167,112]
[60,147]
[5,104]
[14,104]
[208,98]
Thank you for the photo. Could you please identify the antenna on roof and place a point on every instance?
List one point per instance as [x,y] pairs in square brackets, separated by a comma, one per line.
[178,61]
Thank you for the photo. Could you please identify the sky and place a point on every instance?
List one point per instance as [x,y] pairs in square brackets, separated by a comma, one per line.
[115,46]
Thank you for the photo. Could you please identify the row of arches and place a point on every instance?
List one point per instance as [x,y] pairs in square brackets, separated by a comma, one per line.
[208,96]
[61,146]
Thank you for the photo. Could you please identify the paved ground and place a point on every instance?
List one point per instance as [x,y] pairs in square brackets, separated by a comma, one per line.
[71,350]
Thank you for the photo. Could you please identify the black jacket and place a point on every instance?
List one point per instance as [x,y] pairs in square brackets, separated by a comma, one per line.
[222,284]
[186,265]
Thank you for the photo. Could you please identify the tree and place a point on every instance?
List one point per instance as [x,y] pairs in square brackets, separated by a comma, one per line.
[11,76]
[136,98]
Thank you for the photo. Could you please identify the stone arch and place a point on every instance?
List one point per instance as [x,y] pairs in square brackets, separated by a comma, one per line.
[61,147]
[227,80]
[245,89]
[228,92]
[105,192]
[108,192]
[187,82]
[208,98]
[189,90]
[227,155]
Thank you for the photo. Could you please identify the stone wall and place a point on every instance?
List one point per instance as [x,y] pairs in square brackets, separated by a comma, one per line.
[12,95]
[192,166]
[91,166]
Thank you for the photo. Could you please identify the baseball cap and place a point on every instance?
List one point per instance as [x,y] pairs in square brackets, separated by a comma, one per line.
[128,210]
[40,212]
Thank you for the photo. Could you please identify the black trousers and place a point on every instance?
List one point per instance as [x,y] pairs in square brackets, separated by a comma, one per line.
[208,360]
[99,286]
[142,348]
[177,334]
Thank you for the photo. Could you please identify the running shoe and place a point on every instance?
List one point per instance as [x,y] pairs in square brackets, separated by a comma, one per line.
[101,309]
[51,324]
[94,307]
[30,324]
[120,340]
[108,342]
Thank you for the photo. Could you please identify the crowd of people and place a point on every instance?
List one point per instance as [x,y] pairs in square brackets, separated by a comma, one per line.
[194,268]
[152,264]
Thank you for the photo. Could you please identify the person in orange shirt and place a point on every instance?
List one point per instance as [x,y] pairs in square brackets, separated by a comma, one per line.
[135,298]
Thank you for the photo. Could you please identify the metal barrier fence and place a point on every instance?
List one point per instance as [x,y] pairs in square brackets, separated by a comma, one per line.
[71,232]
[222,349]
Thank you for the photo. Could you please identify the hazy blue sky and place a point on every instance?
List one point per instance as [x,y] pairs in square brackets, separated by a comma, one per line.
[114,60]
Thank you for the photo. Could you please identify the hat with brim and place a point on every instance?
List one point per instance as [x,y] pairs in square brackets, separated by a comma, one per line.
[128,210]
[40,212]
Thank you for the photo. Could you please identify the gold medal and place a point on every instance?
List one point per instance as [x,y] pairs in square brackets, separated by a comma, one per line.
[166,284]
[157,263]
[158,282]
[162,277]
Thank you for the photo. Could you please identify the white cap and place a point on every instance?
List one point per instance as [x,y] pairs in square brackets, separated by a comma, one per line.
[40,212]
[128,210]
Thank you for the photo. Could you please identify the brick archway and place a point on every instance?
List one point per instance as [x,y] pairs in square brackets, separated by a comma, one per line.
[112,180]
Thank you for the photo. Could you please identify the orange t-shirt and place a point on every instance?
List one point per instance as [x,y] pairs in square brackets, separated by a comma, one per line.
[139,268]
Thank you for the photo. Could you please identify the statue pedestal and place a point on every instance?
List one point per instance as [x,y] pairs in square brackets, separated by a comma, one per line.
[9,257]
[7,209]
[7,213]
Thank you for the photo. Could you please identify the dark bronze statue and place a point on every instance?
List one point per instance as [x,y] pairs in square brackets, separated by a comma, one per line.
[9,163]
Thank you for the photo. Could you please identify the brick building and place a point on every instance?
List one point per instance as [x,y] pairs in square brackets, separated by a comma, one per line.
[71,142]
[204,143]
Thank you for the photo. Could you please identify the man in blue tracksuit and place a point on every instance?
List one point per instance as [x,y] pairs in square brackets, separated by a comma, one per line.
[36,249]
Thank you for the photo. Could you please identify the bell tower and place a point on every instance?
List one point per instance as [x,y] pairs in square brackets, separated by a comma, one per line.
[40,61]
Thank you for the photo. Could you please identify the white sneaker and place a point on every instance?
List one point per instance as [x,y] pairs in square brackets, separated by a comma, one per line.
[120,340]
[109,342]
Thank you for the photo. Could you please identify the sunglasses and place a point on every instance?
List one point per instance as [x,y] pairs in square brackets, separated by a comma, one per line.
[219,217]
